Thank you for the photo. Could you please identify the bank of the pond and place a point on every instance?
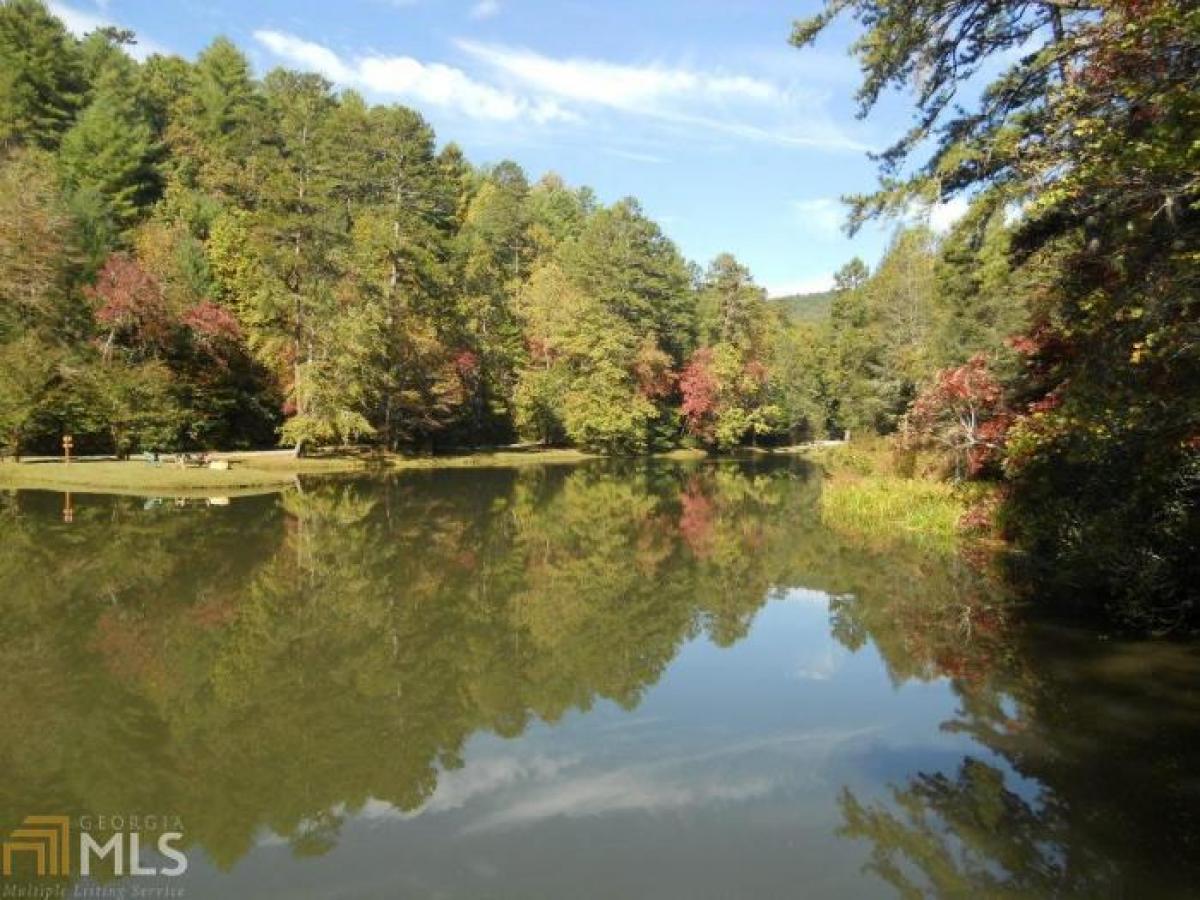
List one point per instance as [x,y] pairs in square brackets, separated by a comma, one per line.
[864,495]
[262,470]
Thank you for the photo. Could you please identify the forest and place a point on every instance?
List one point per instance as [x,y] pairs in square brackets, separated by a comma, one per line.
[195,257]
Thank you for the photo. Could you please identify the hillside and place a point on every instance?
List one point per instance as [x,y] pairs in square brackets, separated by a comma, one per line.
[806,307]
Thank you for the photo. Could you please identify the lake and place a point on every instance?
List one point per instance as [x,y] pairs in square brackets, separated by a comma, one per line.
[602,680]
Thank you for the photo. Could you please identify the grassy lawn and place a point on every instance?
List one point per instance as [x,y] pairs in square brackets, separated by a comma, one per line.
[136,477]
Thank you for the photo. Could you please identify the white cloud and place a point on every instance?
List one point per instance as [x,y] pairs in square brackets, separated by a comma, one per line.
[403,76]
[485,9]
[938,216]
[81,21]
[632,88]
[822,216]
[676,95]
[306,54]
[78,21]
[478,781]
[622,790]
[943,215]
[533,87]
[821,665]
[825,216]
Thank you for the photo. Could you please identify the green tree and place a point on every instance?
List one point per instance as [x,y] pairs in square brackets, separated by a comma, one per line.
[108,154]
[624,260]
[223,91]
[133,402]
[1091,132]
[581,379]
[557,213]
[978,301]
[296,232]
[726,385]
[41,76]
[28,376]
[404,222]
[37,251]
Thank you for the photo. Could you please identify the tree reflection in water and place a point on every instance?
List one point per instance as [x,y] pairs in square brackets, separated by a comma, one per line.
[276,664]
[1091,787]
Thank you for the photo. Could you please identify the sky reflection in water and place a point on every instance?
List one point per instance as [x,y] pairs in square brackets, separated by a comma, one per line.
[646,680]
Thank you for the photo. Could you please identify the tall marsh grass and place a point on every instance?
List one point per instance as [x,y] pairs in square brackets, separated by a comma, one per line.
[883,509]
[883,493]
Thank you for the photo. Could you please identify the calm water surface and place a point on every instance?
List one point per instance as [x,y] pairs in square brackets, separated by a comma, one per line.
[592,681]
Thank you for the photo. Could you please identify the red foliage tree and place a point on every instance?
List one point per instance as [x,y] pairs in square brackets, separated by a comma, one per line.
[700,389]
[129,302]
[212,324]
[652,368]
[466,363]
[963,410]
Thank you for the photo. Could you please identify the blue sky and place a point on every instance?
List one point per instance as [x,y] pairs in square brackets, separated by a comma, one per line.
[733,140]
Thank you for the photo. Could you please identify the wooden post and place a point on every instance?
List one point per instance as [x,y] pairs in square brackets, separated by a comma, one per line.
[68,442]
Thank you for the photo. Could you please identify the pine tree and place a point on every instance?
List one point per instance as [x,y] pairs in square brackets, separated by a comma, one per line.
[624,260]
[41,77]
[223,90]
[109,153]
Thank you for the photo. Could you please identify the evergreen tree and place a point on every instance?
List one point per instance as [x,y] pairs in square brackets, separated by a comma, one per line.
[41,75]
[107,157]
[624,260]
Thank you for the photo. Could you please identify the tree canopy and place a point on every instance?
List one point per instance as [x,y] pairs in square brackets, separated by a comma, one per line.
[1075,270]
[283,262]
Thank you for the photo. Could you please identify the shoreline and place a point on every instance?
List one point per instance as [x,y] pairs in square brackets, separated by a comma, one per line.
[861,497]
[262,471]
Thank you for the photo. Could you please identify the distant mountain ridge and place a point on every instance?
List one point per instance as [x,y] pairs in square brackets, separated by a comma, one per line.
[806,307]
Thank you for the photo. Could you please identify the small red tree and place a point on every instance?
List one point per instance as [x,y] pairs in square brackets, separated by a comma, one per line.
[963,410]
[129,302]
[212,325]
[700,389]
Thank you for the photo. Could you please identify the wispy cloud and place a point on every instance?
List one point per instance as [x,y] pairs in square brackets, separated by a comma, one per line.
[940,217]
[485,9]
[532,87]
[821,216]
[620,791]
[631,88]
[825,216]
[403,76]
[719,775]
[82,21]
[734,104]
